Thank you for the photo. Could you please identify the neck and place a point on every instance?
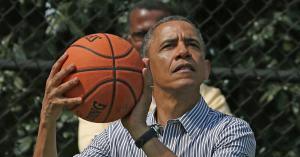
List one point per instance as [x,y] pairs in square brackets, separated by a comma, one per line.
[172,105]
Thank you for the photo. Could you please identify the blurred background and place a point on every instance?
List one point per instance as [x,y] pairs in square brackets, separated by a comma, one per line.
[253,45]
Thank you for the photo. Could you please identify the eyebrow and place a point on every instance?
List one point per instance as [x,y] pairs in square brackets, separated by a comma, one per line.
[139,33]
[172,40]
[186,39]
[192,40]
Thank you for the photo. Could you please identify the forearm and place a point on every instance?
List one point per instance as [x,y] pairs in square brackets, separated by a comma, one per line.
[46,141]
[155,148]
[135,122]
[53,103]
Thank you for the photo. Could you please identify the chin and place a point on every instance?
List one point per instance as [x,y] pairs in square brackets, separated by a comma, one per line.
[186,84]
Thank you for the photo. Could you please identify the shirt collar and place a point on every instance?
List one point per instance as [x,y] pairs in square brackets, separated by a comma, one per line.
[193,121]
[151,118]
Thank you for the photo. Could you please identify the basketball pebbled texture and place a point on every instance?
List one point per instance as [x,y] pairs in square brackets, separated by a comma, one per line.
[110,74]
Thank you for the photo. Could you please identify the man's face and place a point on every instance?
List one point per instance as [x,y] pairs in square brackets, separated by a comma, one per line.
[176,57]
[140,22]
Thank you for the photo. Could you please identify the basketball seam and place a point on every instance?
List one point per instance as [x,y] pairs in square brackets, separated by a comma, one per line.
[114,77]
[91,91]
[135,97]
[101,55]
[108,68]
[114,80]
[130,88]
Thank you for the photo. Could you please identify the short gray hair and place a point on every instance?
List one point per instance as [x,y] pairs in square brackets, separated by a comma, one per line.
[152,5]
[148,36]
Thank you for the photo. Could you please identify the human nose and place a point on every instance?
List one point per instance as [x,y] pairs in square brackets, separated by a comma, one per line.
[182,51]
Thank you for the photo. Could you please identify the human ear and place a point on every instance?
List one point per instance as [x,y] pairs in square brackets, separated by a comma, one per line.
[207,69]
[129,38]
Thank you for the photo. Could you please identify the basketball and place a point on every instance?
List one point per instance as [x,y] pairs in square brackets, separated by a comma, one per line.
[110,74]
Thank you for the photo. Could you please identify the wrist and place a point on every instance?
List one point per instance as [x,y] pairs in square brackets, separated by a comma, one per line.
[138,131]
[152,132]
[47,124]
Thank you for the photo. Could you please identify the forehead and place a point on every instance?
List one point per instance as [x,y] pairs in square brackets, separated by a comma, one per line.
[173,29]
[139,16]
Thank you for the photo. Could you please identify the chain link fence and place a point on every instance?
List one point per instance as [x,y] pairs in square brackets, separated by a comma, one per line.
[253,45]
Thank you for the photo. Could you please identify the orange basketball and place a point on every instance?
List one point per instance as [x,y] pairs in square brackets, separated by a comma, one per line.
[110,74]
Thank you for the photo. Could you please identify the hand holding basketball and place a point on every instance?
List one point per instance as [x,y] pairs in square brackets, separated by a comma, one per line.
[135,122]
[110,74]
[54,100]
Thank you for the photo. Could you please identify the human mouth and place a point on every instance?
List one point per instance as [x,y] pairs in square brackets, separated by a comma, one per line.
[184,68]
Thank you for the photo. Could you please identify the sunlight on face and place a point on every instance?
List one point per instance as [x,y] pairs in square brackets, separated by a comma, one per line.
[176,57]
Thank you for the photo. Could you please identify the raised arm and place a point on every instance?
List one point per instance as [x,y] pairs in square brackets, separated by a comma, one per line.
[53,103]
[135,123]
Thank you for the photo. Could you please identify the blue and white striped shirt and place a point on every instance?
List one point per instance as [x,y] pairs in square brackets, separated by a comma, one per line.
[201,132]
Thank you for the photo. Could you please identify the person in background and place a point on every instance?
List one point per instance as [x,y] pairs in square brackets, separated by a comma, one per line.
[140,18]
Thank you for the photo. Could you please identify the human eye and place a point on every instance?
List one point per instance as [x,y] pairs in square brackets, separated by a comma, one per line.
[139,35]
[194,44]
[168,45]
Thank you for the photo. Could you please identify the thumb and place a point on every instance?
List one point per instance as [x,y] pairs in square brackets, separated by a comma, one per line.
[148,84]
[139,113]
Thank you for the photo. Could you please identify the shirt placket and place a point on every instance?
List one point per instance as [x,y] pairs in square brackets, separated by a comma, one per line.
[171,134]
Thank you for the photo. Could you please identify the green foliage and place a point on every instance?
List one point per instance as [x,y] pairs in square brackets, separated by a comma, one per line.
[270,44]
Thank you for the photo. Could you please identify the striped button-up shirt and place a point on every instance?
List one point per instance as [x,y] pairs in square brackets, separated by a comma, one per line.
[201,132]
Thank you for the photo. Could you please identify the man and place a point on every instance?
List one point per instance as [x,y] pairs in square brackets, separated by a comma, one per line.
[181,125]
[141,17]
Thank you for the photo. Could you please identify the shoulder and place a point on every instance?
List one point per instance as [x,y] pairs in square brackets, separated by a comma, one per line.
[227,123]
[111,134]
[116,129]
[236,128]
[233,133]
[109,141]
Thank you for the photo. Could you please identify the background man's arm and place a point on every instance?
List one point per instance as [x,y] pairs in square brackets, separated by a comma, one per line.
[214,98]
